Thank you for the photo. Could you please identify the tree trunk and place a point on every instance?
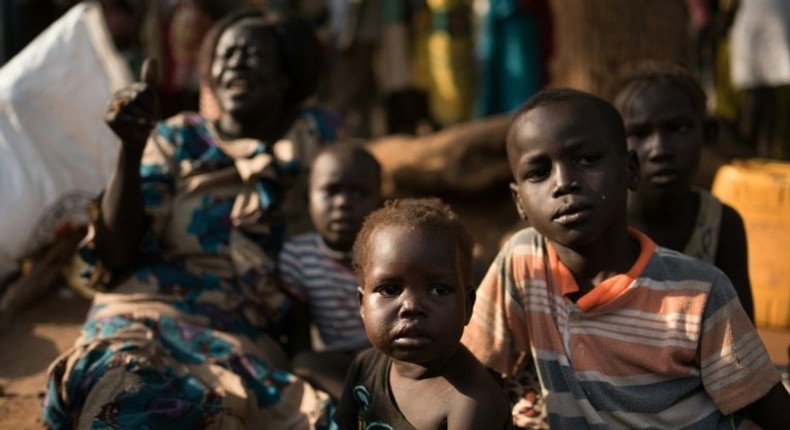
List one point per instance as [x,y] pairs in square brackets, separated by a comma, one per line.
[595,40]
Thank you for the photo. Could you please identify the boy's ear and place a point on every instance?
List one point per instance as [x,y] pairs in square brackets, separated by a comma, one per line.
[632,161]
[471,296]
[711,131]
[517,201]
[360,295]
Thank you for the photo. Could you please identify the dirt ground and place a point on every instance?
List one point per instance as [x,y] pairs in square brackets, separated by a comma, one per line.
[27,345]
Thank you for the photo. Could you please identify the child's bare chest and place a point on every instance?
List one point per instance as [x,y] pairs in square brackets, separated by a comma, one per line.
[425,404]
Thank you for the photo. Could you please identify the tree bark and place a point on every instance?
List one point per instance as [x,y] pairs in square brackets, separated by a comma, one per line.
[595,40]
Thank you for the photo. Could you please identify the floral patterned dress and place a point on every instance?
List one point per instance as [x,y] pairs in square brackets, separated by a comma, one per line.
[187,338]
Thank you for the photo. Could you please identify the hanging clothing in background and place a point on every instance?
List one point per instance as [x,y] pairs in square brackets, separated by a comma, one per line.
[726,99]
[443,59]
[760,67]
[354,33]
[761,44]
[513,48]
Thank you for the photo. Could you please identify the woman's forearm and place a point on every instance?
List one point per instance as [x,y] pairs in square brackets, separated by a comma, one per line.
[120,228]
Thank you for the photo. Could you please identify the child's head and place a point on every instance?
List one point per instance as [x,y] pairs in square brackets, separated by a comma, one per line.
[666,122]
[345,186]
[414,261]
[570,166]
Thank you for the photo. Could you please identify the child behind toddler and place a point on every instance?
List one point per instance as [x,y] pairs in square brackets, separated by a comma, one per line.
[315,267]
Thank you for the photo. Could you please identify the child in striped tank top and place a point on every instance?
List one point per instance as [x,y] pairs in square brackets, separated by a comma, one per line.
[315,267]
[666,123]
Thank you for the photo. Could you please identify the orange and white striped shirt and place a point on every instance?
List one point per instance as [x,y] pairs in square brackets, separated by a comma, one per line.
[666,345]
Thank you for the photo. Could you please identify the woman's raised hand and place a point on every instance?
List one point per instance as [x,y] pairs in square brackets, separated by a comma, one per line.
[133,110]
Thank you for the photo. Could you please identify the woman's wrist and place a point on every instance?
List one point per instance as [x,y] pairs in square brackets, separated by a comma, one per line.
[130,155]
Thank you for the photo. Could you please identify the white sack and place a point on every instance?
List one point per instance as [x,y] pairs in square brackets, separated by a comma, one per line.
[55,150]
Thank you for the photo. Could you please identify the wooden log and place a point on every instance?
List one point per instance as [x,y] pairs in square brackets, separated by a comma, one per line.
[465,158]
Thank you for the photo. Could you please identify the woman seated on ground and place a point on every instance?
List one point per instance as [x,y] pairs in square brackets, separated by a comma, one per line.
[183,242]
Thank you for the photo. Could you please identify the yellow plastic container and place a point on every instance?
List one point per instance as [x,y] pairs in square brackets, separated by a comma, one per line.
[760,191]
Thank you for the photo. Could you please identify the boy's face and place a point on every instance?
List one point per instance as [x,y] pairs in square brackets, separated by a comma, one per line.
[413,299]
[667,134]
[571,174]
[341,195]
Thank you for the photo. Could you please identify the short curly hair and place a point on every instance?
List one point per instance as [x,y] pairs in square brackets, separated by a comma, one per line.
[297,45]
[608,115]
[424,215]
[356,152]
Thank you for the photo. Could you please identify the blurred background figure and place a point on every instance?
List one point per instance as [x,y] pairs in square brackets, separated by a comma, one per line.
[760,68]
[513,47]
[444,56]
[354,29]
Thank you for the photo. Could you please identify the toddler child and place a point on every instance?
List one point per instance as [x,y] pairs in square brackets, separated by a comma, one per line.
[623,333]
[414,261]
[666,124]
[315,267]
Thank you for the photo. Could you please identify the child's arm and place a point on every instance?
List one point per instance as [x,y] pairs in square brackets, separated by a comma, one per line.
[735,367]
[731,256]
[480,401]
[290,278]
[772,411]
[495,334]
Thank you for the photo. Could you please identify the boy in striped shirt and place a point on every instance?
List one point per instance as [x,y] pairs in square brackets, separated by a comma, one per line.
[623,334]
[315,267]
